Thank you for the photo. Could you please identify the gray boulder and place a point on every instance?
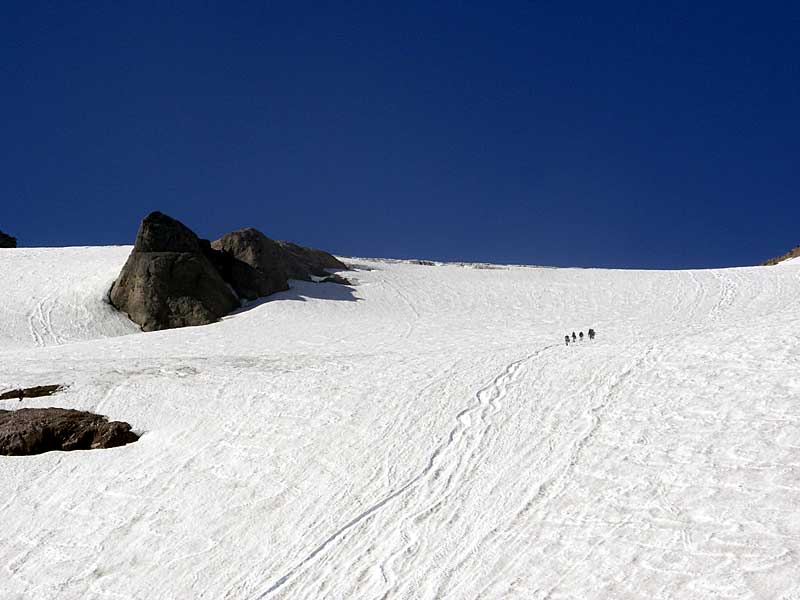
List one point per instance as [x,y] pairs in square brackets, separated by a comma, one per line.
[251,262]
[174,279]
[168,281]
[161,233]
[336,278]
[7,241]
[300,262]
[256,265]
[35,430]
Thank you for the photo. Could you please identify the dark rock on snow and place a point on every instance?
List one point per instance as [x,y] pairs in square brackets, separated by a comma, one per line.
[31,392]
[168,281]
[252,263]
[793,253]
[36,430]
[174,279]
[161,233]
[301,262]
[7,241]
[262,265]
[336,278]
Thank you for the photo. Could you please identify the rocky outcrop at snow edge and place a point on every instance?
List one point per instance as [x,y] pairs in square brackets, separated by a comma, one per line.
[793,253]
[36,430]
[7,241]
[173,279]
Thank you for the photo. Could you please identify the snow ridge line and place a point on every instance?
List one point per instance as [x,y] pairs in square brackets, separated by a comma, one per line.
[480,395]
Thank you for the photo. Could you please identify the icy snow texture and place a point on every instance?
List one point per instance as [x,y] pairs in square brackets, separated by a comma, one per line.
[425,434]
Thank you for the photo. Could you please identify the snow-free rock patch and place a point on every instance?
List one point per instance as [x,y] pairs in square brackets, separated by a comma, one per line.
[36,430]
[793,253]
[36,391]
[336,278]
[7,241]
[301,262]
[168,281]
[251,262]
[175,279]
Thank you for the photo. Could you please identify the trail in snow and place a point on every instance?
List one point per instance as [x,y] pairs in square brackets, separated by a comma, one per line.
[487,402]
[49,305]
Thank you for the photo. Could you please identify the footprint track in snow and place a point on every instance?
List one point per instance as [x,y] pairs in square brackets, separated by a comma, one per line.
[485,402]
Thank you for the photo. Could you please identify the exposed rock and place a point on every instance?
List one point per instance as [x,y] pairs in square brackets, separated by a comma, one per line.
[251,262]
[35,430]
[258,266]
[7,241]
[301,262]
[174,279]
[31,392]
[336,278]
[793,253]
[168,281]
[161,233]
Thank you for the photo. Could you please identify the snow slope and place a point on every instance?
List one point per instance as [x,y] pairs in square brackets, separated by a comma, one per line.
[425,434]
[53,296]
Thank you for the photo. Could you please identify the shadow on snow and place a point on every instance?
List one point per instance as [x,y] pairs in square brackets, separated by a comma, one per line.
[303,290]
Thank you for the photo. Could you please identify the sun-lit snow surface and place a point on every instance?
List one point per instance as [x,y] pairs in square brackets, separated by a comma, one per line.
[425,434]
[52,296]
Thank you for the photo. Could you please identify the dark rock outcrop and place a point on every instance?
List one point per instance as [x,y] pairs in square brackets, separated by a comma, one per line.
[7,241]
[259,266]
[336,278]
[32,392]
[36,430]
[301,262]
[168,281]
[251,262]
[174,279]
[793,253]
[161,233]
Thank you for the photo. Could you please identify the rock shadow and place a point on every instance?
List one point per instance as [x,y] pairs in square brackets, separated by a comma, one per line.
[301,291]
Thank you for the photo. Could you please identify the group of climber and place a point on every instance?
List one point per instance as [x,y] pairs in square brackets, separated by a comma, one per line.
[578,337]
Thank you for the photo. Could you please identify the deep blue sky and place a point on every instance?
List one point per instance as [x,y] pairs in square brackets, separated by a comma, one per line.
[641,134]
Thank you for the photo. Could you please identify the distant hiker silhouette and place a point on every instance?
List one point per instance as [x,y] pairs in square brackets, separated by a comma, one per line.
[574,338]
[566,340]
[581,335]
[591,334]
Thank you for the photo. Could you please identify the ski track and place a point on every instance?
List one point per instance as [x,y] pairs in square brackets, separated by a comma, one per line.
[432,438]
[486,402]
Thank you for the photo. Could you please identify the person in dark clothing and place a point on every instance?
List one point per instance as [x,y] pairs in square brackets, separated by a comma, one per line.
[580,335]
[591,334]
[574,337]
[566,339]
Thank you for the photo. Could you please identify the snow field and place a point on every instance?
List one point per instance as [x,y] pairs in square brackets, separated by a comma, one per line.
[425,434]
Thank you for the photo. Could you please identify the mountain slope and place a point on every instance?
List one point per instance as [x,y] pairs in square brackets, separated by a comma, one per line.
[54,296]
[424,435]
[793,253]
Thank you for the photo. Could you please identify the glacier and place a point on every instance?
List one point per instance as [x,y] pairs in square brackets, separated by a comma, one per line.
[425,433]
